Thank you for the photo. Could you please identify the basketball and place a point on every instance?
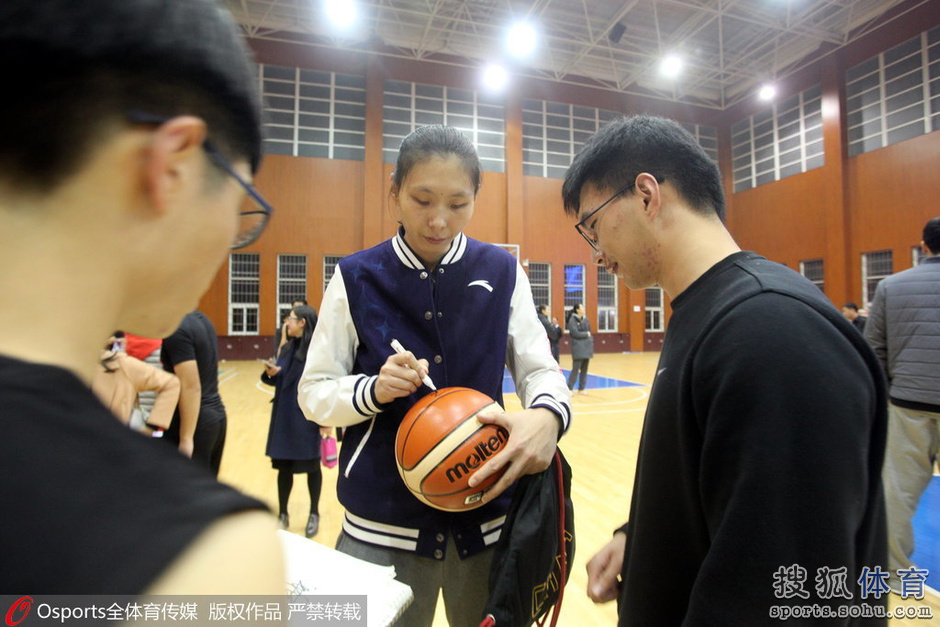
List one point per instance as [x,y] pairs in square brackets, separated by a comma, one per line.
[440,443]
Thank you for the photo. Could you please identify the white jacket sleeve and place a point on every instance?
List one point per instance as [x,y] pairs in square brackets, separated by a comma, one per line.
[328,393]
[538,379]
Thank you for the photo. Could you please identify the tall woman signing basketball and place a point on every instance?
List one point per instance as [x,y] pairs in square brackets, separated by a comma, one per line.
[463,309]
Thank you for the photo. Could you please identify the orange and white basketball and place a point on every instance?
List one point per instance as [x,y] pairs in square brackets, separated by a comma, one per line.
[441,442]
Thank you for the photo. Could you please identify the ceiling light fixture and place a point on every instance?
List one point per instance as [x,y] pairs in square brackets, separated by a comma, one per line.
[495,77]
[341,13]
[671,66]
[521,39]
[767,92]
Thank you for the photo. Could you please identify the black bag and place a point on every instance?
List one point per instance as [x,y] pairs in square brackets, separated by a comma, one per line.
[535,551]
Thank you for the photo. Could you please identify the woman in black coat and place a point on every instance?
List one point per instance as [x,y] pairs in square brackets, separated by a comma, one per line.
[294,441]
[552,330]
[582,347]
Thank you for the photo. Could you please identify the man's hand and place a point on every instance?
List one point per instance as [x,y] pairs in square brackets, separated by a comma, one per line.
[533,436]
[186,447]
[604,570]
[400,376]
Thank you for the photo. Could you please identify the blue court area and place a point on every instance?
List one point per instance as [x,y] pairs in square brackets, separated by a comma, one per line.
[927,533]
[593,382]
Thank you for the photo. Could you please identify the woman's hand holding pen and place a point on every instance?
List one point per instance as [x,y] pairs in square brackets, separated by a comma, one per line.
[400,376]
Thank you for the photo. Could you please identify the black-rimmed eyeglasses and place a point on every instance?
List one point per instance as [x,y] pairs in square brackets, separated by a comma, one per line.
[252,220]
[587,232]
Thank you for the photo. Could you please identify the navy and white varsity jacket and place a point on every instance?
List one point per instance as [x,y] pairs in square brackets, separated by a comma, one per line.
[469,317]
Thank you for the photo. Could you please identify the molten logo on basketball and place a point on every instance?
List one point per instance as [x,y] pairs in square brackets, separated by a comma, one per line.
[481,452]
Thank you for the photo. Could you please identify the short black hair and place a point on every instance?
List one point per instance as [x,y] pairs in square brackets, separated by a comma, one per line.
[851,306]
[75,69]
[437,140]
[932,235]
[614,156]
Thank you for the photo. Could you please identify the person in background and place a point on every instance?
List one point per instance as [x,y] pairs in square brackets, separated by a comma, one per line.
[199,425]
[280,336]
[904,330]
[293,441]
[126,141]
[582,347]
[753,480]
[120,378]
[463,311]
[146,350]
[552,329]
[853,315]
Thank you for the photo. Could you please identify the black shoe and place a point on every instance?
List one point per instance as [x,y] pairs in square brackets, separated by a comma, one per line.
[313,525]
[283,520]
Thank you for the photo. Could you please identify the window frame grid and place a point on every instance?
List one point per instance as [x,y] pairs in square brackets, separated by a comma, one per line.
[329,268]
[492,155]
[818,282]
[606,282]
[296,143]
[861,144]
[868,288]
[247,310]
[546,109]
[283,305]
[654,313]
[571,301]
[538,286]
[744,142]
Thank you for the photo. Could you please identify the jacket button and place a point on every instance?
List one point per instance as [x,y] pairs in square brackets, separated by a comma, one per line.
[439,537]
[424,275]
[440,270]
[440,314]
[438,359]
[428,315]
[438,554]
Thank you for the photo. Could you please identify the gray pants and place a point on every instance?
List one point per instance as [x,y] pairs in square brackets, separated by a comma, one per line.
[464,582]
[913,443]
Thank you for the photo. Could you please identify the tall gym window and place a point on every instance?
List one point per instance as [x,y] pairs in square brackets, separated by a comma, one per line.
[654,309]
[244,282]
[784,140]
[895,95]
[410,105]
[540,278]
[554,132]
[606,301]
[875,266]
[812,269]
[291,282]
[313,114]
[329,268]
[574,287]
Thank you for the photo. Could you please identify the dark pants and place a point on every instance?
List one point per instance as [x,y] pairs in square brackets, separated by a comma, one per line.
[464,582]
[579,368]
[208,442]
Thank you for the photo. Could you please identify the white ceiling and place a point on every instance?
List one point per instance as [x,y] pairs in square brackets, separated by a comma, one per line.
[730,46]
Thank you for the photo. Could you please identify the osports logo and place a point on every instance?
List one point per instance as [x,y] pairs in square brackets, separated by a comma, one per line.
[18,611]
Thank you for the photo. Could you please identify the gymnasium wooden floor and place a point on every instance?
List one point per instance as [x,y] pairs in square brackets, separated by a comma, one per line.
[601,448]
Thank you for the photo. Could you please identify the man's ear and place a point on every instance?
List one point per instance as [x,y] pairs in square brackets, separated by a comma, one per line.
[174,158]
[648,188]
